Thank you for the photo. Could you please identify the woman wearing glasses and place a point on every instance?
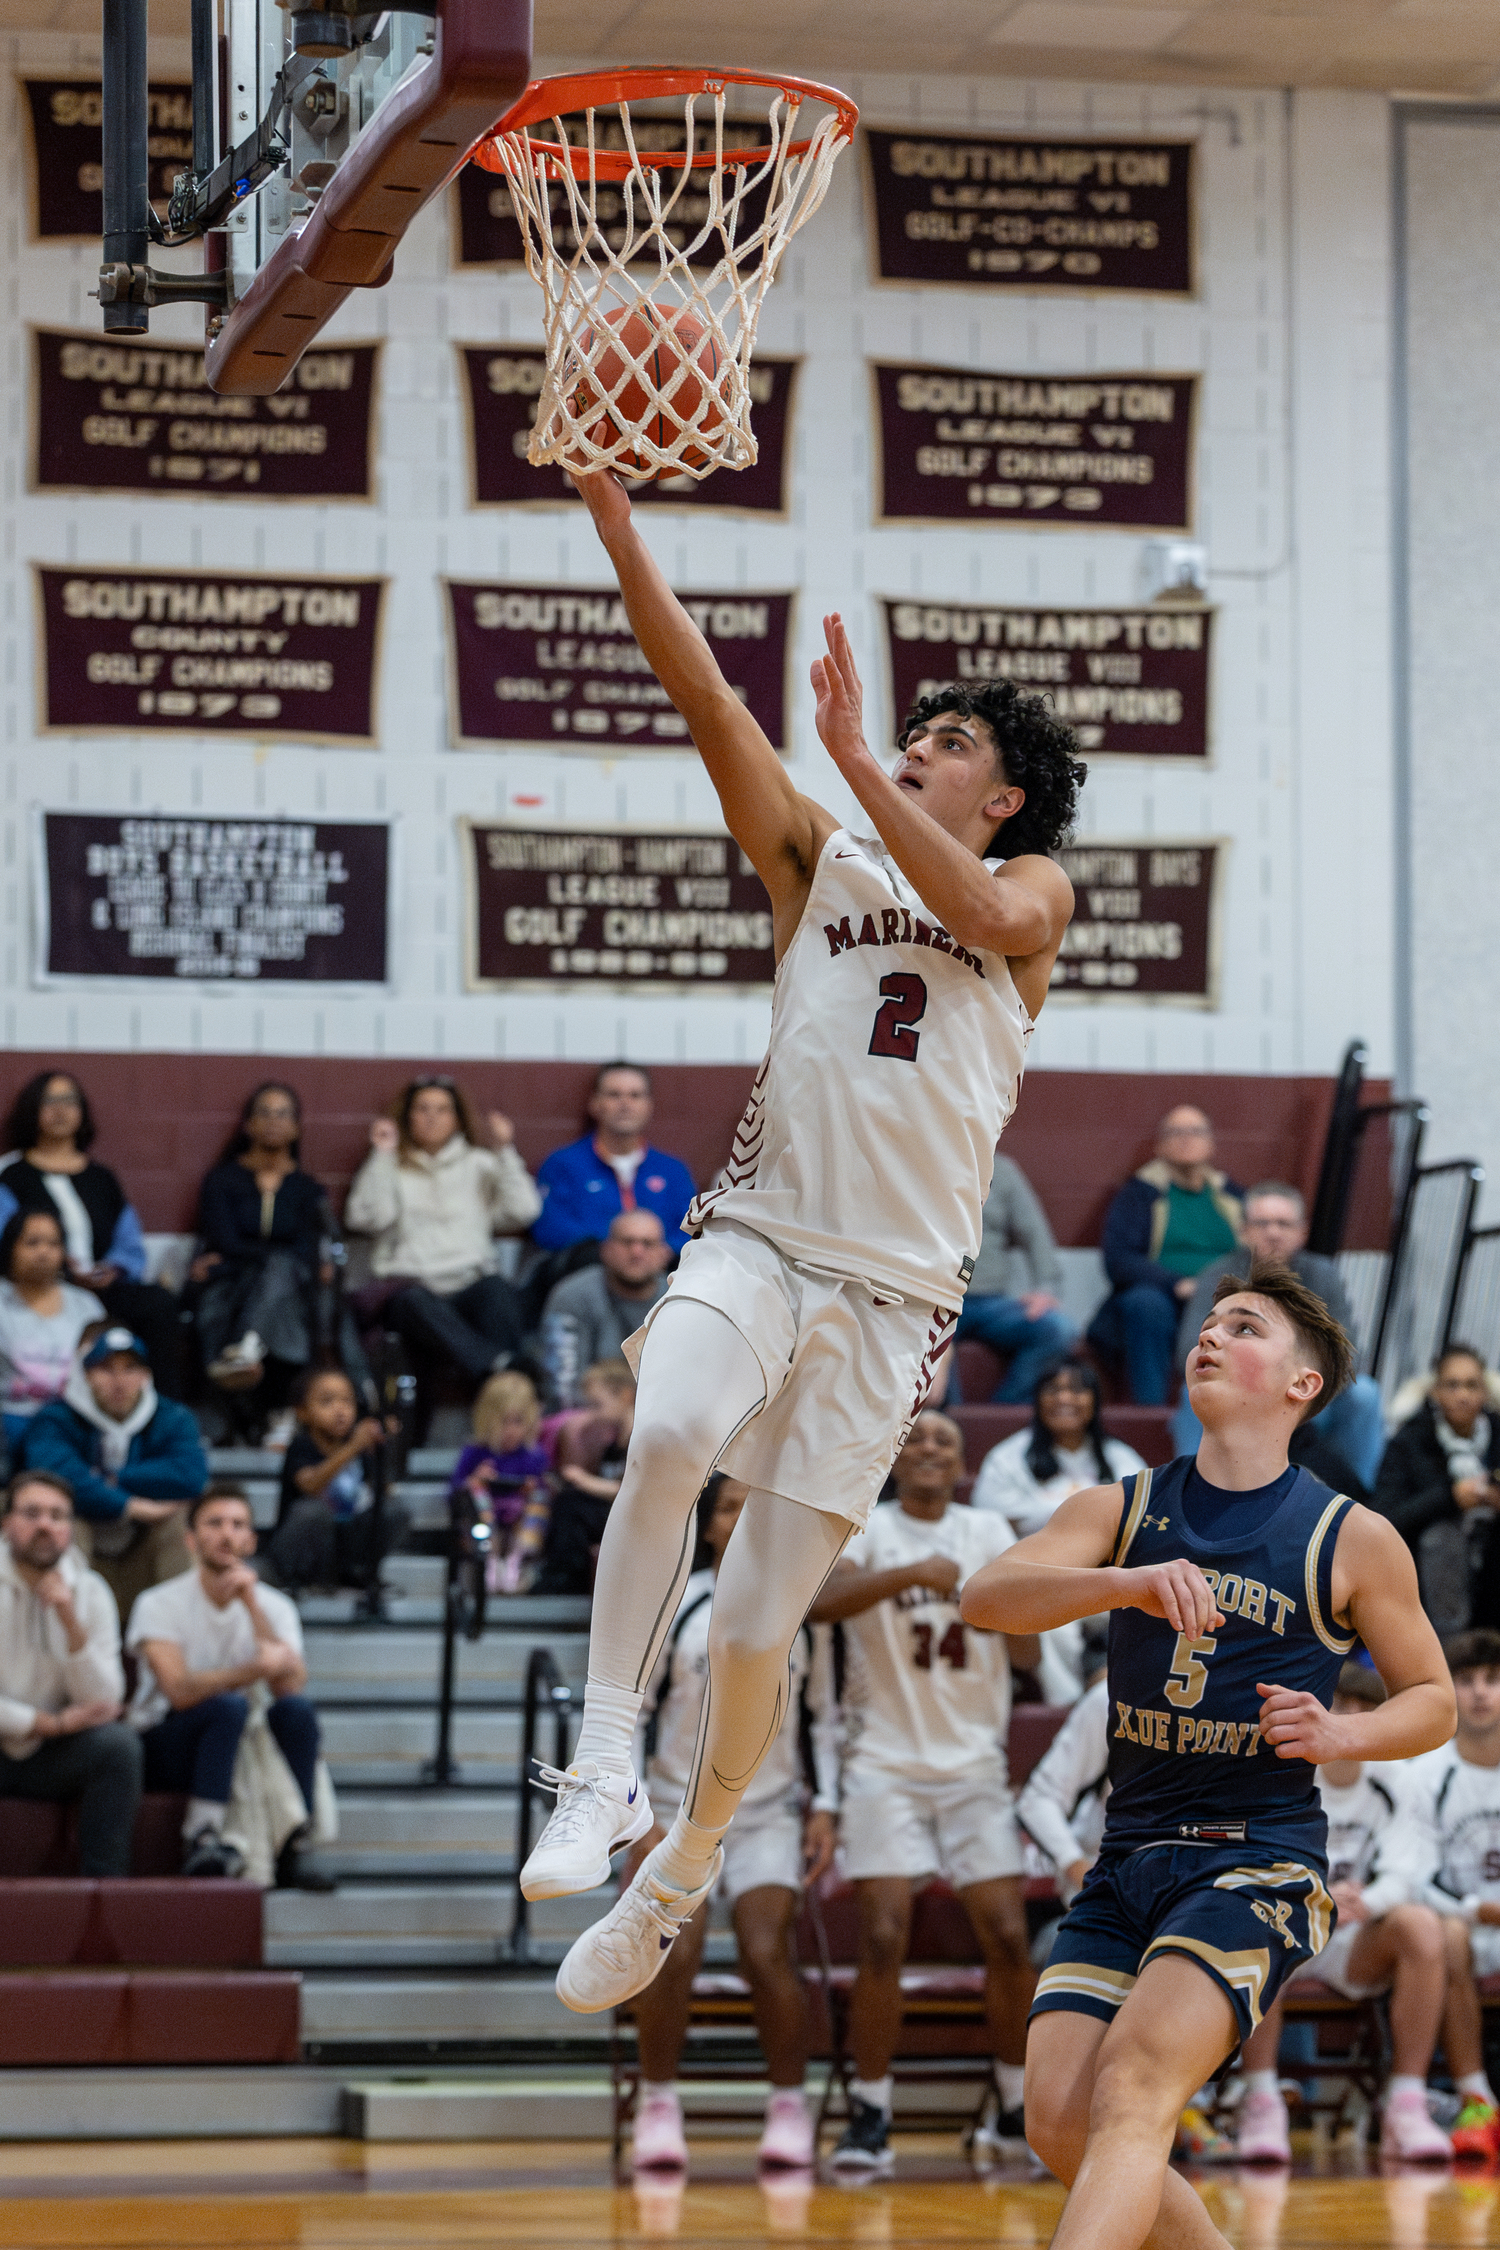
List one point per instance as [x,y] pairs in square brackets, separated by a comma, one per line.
[434,1198]
[49,1133]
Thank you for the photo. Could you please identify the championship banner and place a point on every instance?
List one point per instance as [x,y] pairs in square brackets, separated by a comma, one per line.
[1130,682]
[651,910]
[1100,450]
[200,652]
[67,152]
[559,665]
[489,234]
[119,416]
[981,210]
[286,900]
[1145,923]
[500,386]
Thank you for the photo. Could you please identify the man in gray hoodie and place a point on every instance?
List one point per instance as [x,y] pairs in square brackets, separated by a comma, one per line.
[61,1679]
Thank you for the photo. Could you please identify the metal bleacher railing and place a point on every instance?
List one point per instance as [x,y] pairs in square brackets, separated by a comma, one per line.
[542,1678]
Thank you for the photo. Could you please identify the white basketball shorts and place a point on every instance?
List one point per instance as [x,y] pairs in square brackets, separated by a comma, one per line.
[846,1368]
[963,1829]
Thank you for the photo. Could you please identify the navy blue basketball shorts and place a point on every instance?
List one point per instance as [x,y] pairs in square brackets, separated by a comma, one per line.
[1247,1917]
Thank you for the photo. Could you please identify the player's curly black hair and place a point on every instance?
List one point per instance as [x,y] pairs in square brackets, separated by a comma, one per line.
[1039,753]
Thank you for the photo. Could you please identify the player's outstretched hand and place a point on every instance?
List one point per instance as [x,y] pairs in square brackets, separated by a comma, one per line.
[1298,1726]
[840,696]
[605,498]
[1177,1591]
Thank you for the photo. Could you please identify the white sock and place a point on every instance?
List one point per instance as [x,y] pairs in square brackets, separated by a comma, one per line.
[875,2091]
[1262,2082]
[683,1862]
[1011,2080]
[1477,2086]
[608,1730]
[654,2090]
[203,1813]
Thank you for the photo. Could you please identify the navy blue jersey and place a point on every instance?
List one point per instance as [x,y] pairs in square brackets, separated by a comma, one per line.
[1186,1760]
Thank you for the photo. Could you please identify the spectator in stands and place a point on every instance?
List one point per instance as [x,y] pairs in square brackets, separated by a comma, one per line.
[61,1680]
[1062,1805]
[783,1836]
[1387,1941]
[262,1221]
[49,1132]
[1452,1796]
[1439,1484]
[1275,1226]
[207,1641]
[612,1169]
[329,1531]
[1163,1227]
[434,1200]
[590,1461]
[131,1460]
[1026,1476]
[42,1317]
[502,1479]
[1025,1323]
[927,1709]
[590,1313]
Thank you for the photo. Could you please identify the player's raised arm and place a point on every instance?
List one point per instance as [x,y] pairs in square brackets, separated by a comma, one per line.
[1375,1588]
[779,831]
[1063,1572]
[1020,912]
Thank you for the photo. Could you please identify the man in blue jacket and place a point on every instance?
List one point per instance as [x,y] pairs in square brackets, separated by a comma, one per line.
[132,1459]
[1164,1226]
[590,1181]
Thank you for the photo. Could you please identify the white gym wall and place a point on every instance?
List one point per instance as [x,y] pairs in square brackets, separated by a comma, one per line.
[1292,335]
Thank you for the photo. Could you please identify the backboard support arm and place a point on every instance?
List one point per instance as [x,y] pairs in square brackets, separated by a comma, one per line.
[126,161]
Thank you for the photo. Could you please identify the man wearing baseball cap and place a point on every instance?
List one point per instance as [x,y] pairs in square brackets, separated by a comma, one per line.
[132,1459]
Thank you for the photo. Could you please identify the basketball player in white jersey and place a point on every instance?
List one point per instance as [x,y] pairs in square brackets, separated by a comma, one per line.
[801,1330]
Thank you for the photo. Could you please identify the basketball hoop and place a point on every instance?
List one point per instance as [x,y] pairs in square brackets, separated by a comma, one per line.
[654,262]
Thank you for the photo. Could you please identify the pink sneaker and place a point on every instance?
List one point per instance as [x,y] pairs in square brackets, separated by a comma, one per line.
[660,2143]
[1262,2136]
[786,2145]
[1407,2131]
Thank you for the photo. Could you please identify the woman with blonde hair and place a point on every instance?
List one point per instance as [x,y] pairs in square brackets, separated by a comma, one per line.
[501,1477]
[434,1199]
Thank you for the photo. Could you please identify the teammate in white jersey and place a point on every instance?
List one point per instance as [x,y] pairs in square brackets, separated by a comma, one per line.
[774,1846]
[801,1330]
[925,1790]
[1456,1795]
[1386,1940]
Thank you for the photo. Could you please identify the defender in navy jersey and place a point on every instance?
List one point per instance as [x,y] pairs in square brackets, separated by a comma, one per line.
[1237,1585]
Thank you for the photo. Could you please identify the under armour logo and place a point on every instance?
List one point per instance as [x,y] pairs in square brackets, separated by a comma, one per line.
[1154,1523]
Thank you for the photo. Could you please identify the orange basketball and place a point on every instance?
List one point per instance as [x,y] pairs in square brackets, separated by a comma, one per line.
[681,371]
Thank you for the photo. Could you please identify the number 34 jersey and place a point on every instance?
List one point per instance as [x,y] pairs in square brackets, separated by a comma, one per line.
[894,1060]
[925,1695]
[1186,1759]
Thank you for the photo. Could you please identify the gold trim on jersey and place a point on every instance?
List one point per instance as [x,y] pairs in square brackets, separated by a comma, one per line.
[1310,1580]
[1133,1515]
[1086,1980]
[1243,1972]
[1281,1876]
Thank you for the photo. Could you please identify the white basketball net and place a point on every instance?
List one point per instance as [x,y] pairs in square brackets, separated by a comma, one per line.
[717,270]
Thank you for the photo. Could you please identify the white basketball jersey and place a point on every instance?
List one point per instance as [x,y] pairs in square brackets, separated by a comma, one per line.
[924,1694]
[894,1061]
[1458,1807]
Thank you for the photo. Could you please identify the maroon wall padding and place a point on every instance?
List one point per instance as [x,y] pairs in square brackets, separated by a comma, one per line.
[1076,1134]
[41,1839]
[1144,1427]
[175,1924]
[61,2018]
[45,1924]
[249,2018]
[1032,1727]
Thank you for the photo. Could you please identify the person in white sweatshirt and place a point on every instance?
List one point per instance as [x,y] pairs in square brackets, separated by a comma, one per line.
[61,1679]
[434,1200]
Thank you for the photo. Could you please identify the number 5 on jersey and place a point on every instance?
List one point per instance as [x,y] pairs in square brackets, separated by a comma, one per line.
[1187,1674]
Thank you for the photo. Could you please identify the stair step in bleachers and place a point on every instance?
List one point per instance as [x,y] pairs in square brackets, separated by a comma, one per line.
[404,1834]
[414,1926]
[374,1746]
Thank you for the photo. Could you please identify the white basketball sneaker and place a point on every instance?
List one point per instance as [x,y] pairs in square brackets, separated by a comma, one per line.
[596,1814]
[619,1956]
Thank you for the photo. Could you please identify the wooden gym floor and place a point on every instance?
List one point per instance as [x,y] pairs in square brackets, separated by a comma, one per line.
[345,2195]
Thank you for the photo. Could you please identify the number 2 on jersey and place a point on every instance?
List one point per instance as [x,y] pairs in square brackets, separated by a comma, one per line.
[1187,1674]
[952,1648]
[905,1004]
